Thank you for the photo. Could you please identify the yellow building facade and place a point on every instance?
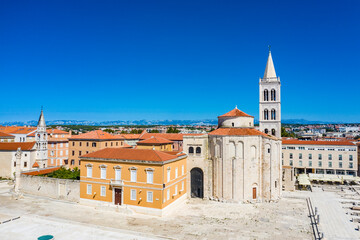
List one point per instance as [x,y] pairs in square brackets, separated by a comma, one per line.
[144,180]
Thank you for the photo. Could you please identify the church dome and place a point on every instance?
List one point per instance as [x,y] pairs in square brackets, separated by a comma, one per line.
[235,119]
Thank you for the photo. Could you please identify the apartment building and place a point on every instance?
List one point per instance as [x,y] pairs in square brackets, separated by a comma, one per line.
[323,157]
[144,180]
[58,147]
[90,142]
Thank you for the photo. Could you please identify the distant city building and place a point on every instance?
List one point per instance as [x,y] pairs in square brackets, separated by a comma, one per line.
[58,147]
[21,134]
[90,142]
[5,137]
[155,143]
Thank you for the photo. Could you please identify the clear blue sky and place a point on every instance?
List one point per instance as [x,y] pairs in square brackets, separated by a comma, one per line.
[123,60]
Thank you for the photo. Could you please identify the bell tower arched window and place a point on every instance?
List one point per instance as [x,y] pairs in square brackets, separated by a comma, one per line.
[273,114]
[273,95]
[266,130]
[273,132]
[266,95]
[266,114]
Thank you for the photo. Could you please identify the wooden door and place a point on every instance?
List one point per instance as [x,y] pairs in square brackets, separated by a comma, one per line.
[117,196]
[254,193]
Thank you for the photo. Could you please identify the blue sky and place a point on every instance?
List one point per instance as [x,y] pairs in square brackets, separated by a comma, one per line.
[124,60]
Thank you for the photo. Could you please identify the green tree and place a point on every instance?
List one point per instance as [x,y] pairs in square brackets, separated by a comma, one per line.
[172,130]
[154,131]
[109,130]
[64,173]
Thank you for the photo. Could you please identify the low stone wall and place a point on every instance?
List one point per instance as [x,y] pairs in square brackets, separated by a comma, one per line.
[62,189]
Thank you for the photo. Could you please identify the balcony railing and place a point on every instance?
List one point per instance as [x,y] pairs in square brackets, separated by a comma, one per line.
[114,182]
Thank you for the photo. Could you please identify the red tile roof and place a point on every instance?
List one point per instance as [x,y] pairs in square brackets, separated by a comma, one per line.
[17,130]
[56,131]
[13,146]
[5,135]
[169,136]
[132,154]
[334,143]
[154,141]
[238,132]
[97,134]
[128,136]
[35,165]
[41,171]
[235,113]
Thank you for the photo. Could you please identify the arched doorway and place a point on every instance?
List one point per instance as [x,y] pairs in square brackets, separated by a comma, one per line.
[197,183]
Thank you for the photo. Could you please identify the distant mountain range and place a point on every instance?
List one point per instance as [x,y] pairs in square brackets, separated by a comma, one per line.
[147,122]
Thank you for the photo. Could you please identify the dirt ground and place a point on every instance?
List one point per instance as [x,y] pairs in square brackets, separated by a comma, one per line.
[196,219]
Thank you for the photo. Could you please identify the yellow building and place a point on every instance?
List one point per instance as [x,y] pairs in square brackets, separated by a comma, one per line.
[144,180]
[156,143]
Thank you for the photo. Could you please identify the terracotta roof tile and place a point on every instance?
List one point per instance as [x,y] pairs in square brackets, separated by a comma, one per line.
[131,154]
[334,143]
[13,146]
[235,113]
[41,171]
[154,141]
[35,165]
[239,132]
[169,136]
[6,135]
[56,131]
[97,134]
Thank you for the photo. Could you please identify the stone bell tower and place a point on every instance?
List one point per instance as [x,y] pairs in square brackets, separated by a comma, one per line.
[270,101]
[41,142]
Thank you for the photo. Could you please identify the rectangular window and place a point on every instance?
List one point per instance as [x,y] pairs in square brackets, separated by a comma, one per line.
[300,155]
[320,164]
[300,163]
[103,191]
[89,172]
[73,143]
[340,157]
[168,175]
[291,162]
[351,165]
[87,144]
[25,163]
[291,155]
[183,172]
[67,152]
[52,161]
[350,157]
[168,194]
[61,145]
[117,174]
[103,173]
[150,177]
[80,144]
[310,163]
[330,157]
[73,153]
[320,156]
[133,175]
[176,190]
[176,172]
[282,155]
[310,156]
[79,153]
[149,197]
[89,189]
[133,195]
[182,186]
[61,153]
[330,164]
[340,164]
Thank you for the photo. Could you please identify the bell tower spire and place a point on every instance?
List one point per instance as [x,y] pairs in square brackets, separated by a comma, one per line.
[270,101]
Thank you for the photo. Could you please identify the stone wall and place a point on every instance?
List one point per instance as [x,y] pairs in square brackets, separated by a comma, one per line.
[62,189]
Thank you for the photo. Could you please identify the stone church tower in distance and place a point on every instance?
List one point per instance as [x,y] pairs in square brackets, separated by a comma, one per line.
[270,101]
[41,142]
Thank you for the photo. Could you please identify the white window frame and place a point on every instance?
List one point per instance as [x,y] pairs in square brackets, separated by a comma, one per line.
[150,176]
[149,199]
[88,189]
[103,172]
[133,174]
[176,172]
[103,191]
[182,170]
[133,194]
[168,194]
[89,171]
[182,186]
[117,173]
[168,174]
